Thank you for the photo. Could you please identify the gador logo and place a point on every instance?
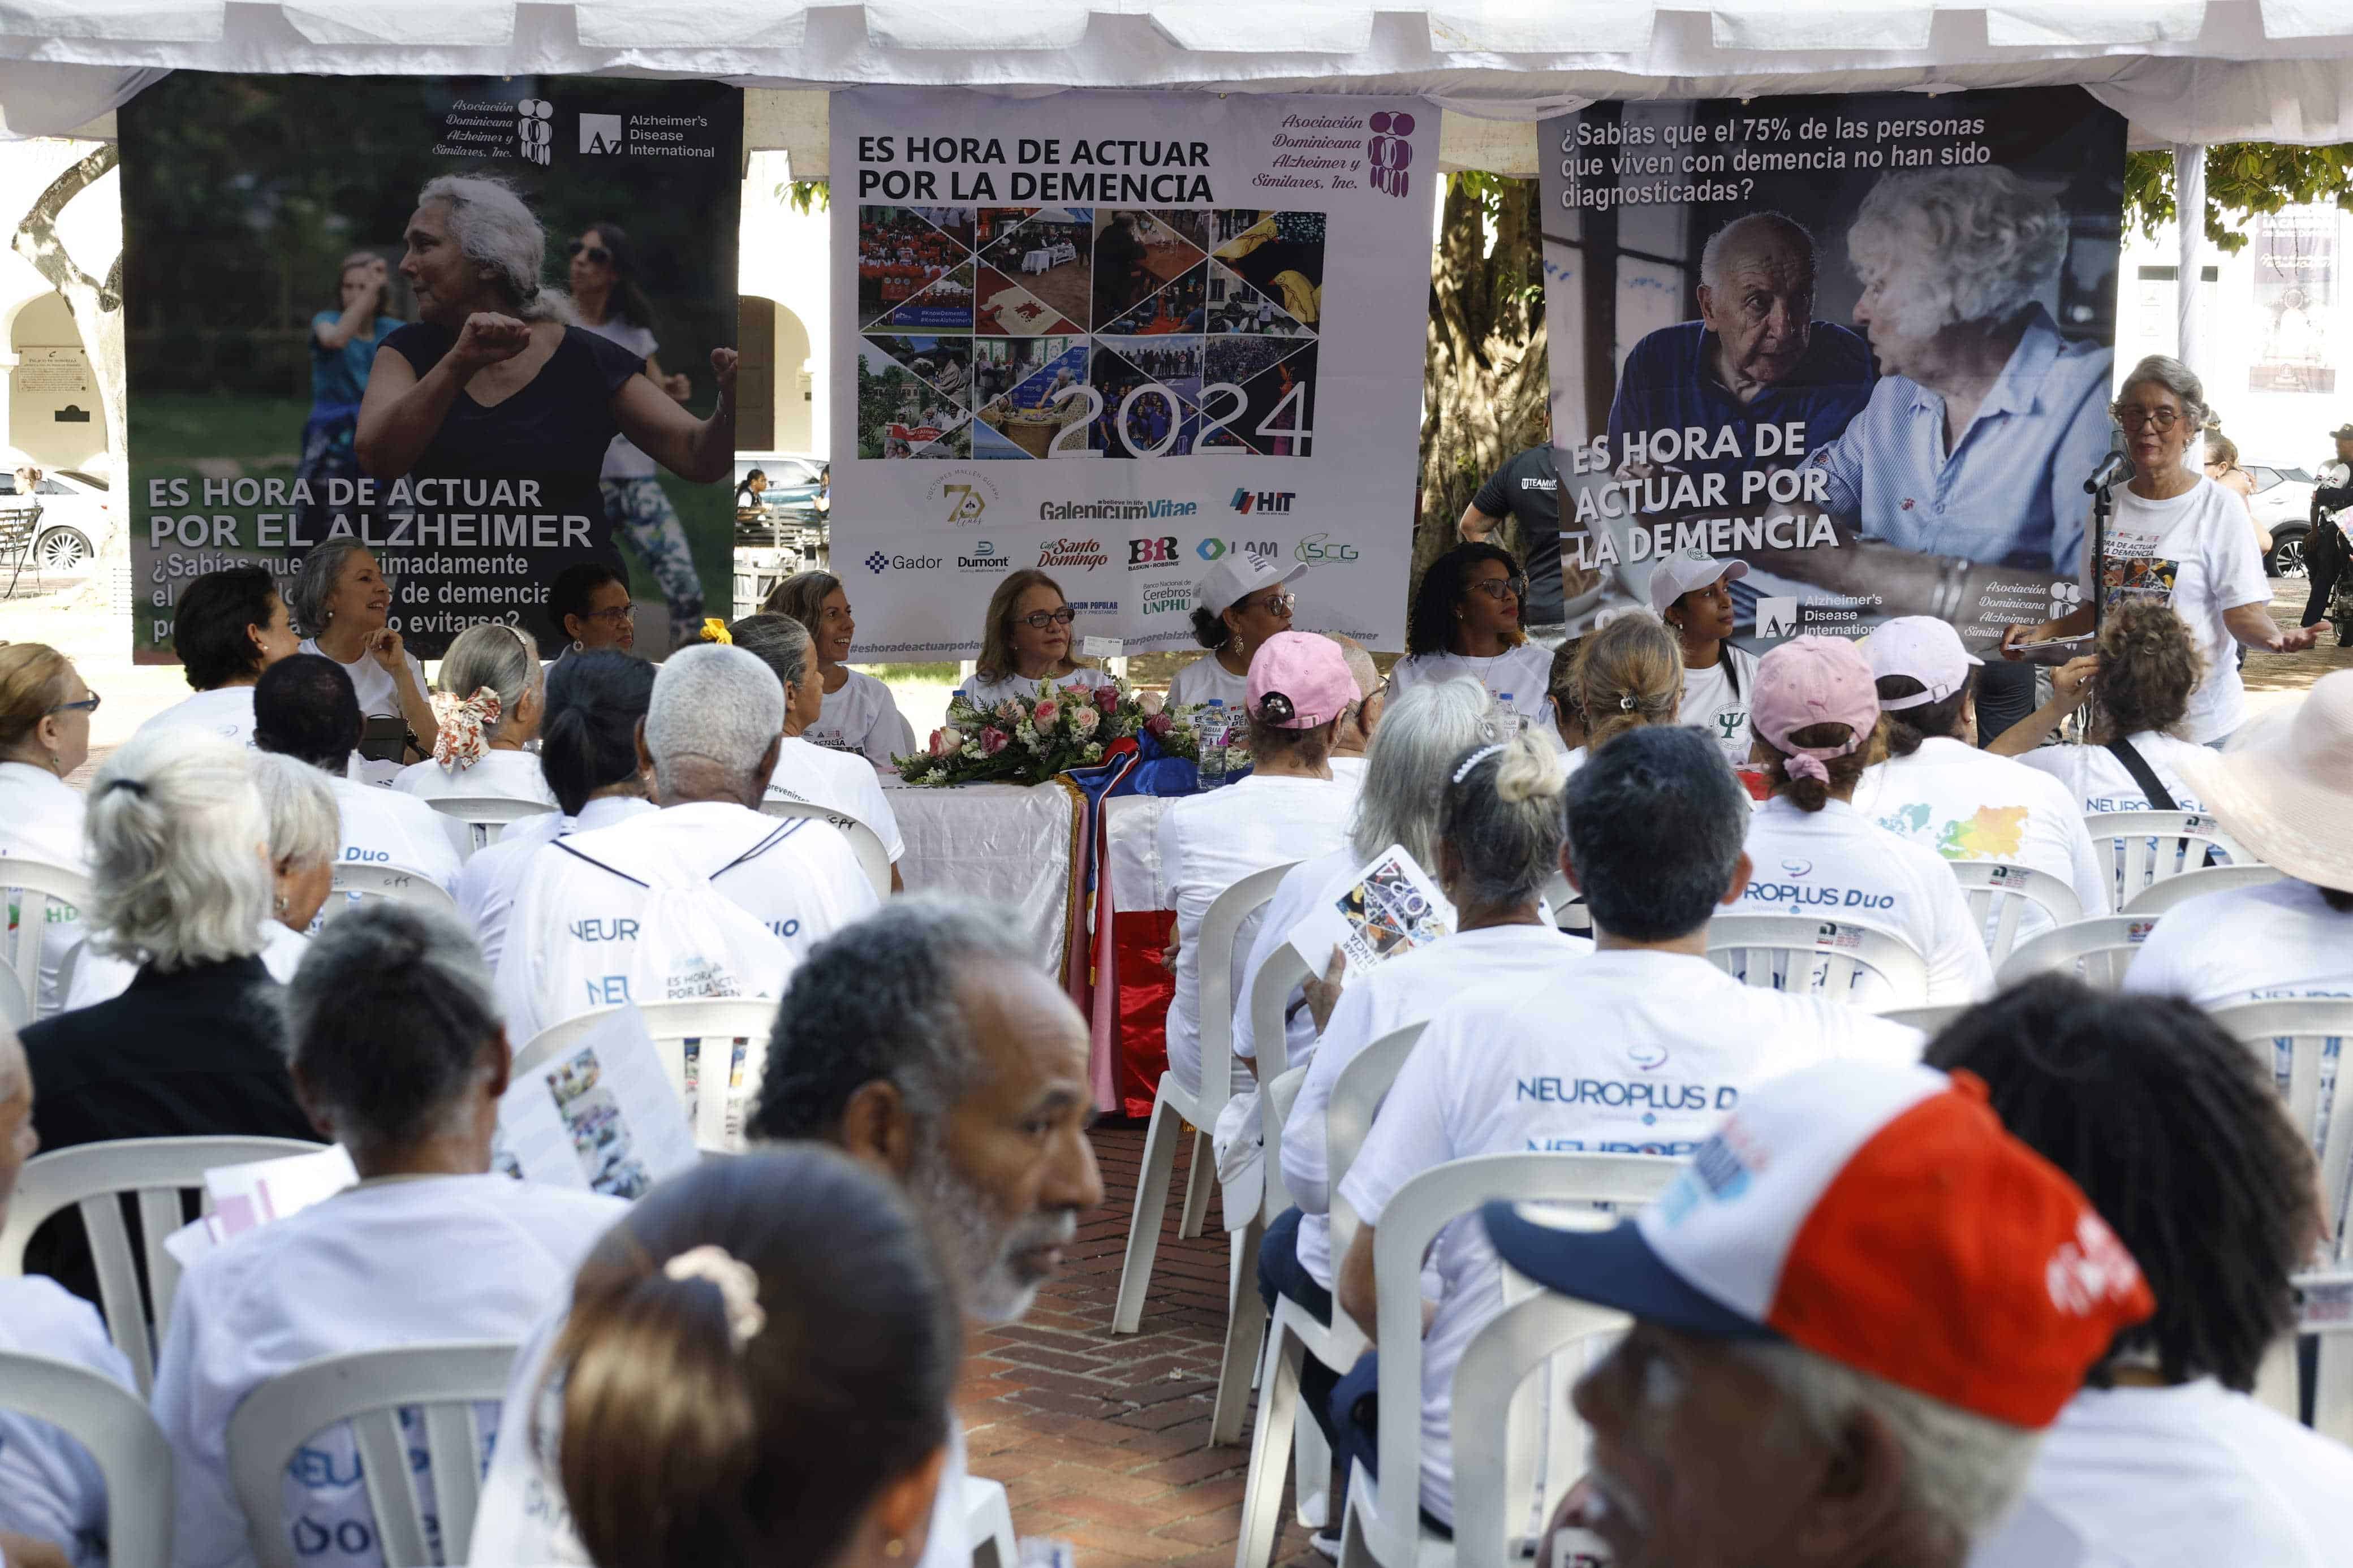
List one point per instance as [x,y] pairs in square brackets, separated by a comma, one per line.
[878,563]
[600,134]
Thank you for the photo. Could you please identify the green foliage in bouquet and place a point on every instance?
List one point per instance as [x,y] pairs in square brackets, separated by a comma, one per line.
[1029,740]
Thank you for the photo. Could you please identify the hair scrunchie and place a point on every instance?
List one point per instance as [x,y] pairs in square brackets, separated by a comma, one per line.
[461,719]
[716,630]
[1806,766]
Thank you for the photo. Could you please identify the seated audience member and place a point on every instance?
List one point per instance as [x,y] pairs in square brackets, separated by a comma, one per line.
[728,1325]
[1655,823]
[303,709]
[491,698]
[2138,685]
[1766,1407]
[1936,788]
[2283,797]
[575,937]
[344,606]
[303,828]
[1353,741]
[45,713]
[1568,719]
[590,601]
[1026,643]
[924,1041]
[1692,593]
[860,713]
[1290,807]
[806,771]
[589,756]
[396,1054]
[1465,620]
[1629,673]
[52,1498]
[228,627]
[1816,720]
[180,883]
[1240,601]
[2177,1137]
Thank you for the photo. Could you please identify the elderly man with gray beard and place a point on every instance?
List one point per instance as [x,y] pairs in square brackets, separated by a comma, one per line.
[924,1041]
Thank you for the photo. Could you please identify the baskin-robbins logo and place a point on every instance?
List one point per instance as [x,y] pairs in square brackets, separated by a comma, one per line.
[601,135]
[535,129]
[1388,152]
[878,563]
[984,557]
[1159,551]
[1217,549]
[1073,552]
[1323,550]
[1248,500]
[964,494]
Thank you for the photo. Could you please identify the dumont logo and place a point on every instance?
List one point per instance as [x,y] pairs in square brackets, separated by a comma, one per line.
[964,494]
[1217,549]
[878,563]
[601,135]
[1247,500]
[1323,547]
[536,128]
[1066,553]
[984,557]
[1159,552]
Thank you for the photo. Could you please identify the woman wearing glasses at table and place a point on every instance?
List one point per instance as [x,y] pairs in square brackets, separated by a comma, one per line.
[1025,649]
[45,713]
[1240,602]
[1465,620]
[2179,539]
[589,603]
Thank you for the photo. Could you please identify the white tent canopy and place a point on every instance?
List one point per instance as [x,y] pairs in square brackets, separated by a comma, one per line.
[2180,71]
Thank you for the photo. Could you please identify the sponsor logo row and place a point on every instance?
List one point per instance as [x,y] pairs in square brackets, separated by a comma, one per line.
[1142,554]
[965,495]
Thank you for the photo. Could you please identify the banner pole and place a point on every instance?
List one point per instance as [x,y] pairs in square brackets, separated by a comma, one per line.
[2189,232]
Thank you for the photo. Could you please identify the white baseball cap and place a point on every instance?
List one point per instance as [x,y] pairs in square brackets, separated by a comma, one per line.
[1236,578]
[1678,573]
[1927,649]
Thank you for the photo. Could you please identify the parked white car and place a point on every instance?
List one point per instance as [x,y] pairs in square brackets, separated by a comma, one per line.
[2283,504]
[74,508]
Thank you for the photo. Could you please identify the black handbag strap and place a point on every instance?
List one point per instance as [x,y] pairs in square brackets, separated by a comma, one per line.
[2159,797]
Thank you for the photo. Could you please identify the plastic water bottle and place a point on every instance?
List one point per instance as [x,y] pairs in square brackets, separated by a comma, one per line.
[1211,731]
[1518,720]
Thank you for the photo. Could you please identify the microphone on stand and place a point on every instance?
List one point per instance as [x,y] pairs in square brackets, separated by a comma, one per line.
[2114,469]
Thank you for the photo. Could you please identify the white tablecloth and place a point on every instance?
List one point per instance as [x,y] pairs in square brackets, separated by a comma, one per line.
[1001,842]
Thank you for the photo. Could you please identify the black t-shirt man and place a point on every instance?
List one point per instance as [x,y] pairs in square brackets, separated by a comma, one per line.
[1529,487]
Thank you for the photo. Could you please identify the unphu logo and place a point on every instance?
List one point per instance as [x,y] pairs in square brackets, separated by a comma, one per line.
[1247,500]
[1388,152]
[536,128]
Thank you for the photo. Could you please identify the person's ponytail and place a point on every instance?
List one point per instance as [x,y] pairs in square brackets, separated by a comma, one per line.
[589,741]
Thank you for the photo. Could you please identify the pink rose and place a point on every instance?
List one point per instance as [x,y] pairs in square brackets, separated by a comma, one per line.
[992,740]
[945,741]
[1158,725]
[1084,721]
[1009,709]
[1045,713]
[1152,702]
[1107,698]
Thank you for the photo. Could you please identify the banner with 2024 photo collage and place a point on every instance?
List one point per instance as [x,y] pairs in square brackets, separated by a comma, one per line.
[1863,344]
[1116,337]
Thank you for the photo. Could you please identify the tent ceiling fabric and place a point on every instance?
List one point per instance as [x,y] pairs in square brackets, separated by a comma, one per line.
[2179,69]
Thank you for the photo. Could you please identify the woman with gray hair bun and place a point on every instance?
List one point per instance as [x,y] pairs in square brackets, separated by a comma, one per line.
[397,1052]
[818,775]
[2178,539]
[497,381]
[491,694]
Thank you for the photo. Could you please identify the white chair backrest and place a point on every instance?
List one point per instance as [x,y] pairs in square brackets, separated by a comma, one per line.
[1517,1444]
[673,1025]
[2097,950]
[1220,926]
[2300,1042]
[872,858]
[2142,849]
[1929,1020]
[356,883]
[30,891]
[1419,1211]
[94,1178]
[368,1389]
[1357,1095]
[1270,997]
[1802,953]
[2159,897]
[1569,911]
[486,815]
[1276,1096]
[1999,892]
[130,1448]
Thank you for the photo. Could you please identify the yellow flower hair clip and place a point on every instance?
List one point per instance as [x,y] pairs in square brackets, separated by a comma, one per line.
[716,630]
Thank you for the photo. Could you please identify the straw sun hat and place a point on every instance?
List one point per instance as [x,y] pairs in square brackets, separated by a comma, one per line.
[2289,796]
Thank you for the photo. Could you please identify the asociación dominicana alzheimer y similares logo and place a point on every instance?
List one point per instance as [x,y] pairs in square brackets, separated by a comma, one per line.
[1388,152]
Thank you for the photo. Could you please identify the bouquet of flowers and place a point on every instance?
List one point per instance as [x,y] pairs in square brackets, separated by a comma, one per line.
[1029,740]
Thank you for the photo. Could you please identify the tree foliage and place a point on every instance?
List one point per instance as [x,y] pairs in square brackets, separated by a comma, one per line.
[2242,179]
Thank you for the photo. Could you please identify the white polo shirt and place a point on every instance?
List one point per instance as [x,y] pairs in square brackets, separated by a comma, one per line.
[503,776]
[1968,804]
[862,716]
[1717,699]
[385,828]
[2102,783]
[40,819]
[1836,864]
[2271,944]
[839,781]
[1623,1052]
[487,883]
[224,710]
[50,1487]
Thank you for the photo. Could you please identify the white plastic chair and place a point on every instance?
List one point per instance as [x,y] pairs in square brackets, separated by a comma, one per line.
[1517,1448]
[121,1437]
[1764,951]
[672,1025]
[368,1389]
[1384,1520]
[356,883]
[1281,1438]
[1999,892]
[94,1177]
[2143,849]
[2097,950]
[485,816]
[31,887]
[988,1525]
[1173,1107]
[1929,1020]
[872,858]
[2159,897]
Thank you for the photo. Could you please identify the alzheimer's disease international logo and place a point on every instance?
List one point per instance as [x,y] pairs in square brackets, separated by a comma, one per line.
[1776,618]
[600,134]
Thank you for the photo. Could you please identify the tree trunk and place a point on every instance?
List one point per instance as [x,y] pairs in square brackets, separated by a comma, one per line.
[97,307]
[1484,379]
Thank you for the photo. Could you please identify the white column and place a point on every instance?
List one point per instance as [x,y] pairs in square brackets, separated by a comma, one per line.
[2190,226]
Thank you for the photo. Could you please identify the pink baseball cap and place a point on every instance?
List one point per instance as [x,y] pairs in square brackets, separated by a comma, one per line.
[1299,681]
[1814,680]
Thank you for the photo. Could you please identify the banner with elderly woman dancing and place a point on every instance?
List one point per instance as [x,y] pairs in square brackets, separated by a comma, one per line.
[483,329]
[1863,344]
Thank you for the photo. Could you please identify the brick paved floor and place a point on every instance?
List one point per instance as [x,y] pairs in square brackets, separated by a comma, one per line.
[1100,1438]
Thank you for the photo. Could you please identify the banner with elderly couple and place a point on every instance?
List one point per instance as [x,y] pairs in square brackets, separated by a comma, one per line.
[480,325]
[1863,344]
[1116,337]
